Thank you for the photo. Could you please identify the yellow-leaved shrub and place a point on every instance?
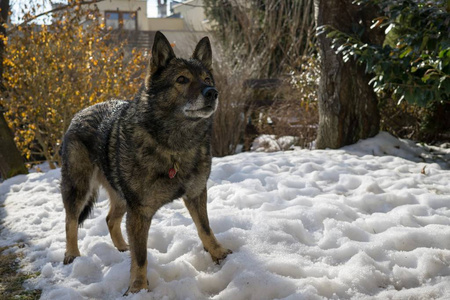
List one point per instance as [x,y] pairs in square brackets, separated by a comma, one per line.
[53,71]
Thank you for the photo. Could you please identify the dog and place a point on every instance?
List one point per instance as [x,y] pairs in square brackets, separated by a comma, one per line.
[145,153]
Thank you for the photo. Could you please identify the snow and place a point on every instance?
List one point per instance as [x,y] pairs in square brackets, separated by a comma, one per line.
[368,221]
[272,143]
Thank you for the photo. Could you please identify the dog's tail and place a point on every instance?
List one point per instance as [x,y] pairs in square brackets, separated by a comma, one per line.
[87,210]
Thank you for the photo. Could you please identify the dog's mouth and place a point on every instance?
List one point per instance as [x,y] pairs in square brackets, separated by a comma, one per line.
[203,109]
[204,112]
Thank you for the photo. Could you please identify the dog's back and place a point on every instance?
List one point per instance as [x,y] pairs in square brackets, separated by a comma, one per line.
[91,124]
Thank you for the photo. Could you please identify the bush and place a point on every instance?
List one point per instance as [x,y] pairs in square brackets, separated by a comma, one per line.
[429,124]
[294,110]
[53,71]
[277,32]
[261,40]
[414,62]
[235,105]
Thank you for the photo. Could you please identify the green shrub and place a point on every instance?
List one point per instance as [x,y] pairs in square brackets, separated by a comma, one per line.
[413,64]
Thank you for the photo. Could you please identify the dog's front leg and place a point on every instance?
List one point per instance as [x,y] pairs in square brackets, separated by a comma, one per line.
[138,225]
[198,211]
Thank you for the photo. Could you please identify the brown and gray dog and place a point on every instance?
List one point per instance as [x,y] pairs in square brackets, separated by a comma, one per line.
[145,153]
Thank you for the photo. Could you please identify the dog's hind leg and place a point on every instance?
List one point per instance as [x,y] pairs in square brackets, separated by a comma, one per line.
[116,211]
[79,188]
[198,212]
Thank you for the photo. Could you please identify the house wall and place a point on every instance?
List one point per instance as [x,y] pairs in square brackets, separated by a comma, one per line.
[184,42]
[155,24]
[138,6]
[193,15]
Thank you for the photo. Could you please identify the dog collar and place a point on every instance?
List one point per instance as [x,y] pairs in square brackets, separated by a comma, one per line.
[174,170]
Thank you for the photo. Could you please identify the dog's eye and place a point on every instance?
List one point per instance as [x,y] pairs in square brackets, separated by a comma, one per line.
[182,80]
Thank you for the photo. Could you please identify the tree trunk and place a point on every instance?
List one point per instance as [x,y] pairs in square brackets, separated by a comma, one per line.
[347,104]
[11,162]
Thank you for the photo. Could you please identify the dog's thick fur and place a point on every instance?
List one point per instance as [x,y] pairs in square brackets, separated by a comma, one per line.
[130,147]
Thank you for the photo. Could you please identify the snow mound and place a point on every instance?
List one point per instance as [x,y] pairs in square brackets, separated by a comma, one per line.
[355,223]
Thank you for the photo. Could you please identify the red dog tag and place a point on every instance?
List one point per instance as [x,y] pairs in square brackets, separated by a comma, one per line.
[172,173]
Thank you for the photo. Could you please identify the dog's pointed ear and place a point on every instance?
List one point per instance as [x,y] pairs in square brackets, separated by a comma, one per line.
[203,53]
[162,54]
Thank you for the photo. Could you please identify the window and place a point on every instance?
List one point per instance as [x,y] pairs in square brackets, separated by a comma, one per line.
[112,20]
[129,21]
[121,20]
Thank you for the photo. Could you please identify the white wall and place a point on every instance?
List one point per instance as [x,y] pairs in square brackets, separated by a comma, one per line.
[193,14]
[155,24]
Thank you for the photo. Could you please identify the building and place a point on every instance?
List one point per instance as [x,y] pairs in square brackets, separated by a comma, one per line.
[129,19]
[193,14]
[162,8]
[132,15]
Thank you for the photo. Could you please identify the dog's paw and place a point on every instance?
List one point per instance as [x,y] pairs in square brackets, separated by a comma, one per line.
[220,255]
[136,287]
[68,259]
[123,248]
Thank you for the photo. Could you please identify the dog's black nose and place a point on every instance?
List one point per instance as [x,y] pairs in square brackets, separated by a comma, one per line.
[210,93]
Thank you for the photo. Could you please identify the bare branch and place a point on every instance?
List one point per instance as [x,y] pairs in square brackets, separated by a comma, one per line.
[59,8]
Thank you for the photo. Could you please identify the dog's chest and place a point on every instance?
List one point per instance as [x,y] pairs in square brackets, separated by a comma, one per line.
[185,167]
[170,174]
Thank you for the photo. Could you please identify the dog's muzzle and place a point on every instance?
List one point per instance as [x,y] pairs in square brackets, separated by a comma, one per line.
[210,93]
[204,105]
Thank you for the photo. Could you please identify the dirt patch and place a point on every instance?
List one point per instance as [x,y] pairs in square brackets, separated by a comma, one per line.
[11,279]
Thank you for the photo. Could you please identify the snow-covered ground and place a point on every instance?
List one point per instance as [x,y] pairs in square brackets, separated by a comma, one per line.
[369,221]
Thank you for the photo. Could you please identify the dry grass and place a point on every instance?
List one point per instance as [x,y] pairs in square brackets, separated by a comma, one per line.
[291,117]
[11,280]
[234,107]
[294,109]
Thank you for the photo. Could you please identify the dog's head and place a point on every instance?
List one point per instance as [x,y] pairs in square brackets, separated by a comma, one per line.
[185,86]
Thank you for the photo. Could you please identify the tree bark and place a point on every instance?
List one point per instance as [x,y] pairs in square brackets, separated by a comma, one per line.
[11,162]
[348,108]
